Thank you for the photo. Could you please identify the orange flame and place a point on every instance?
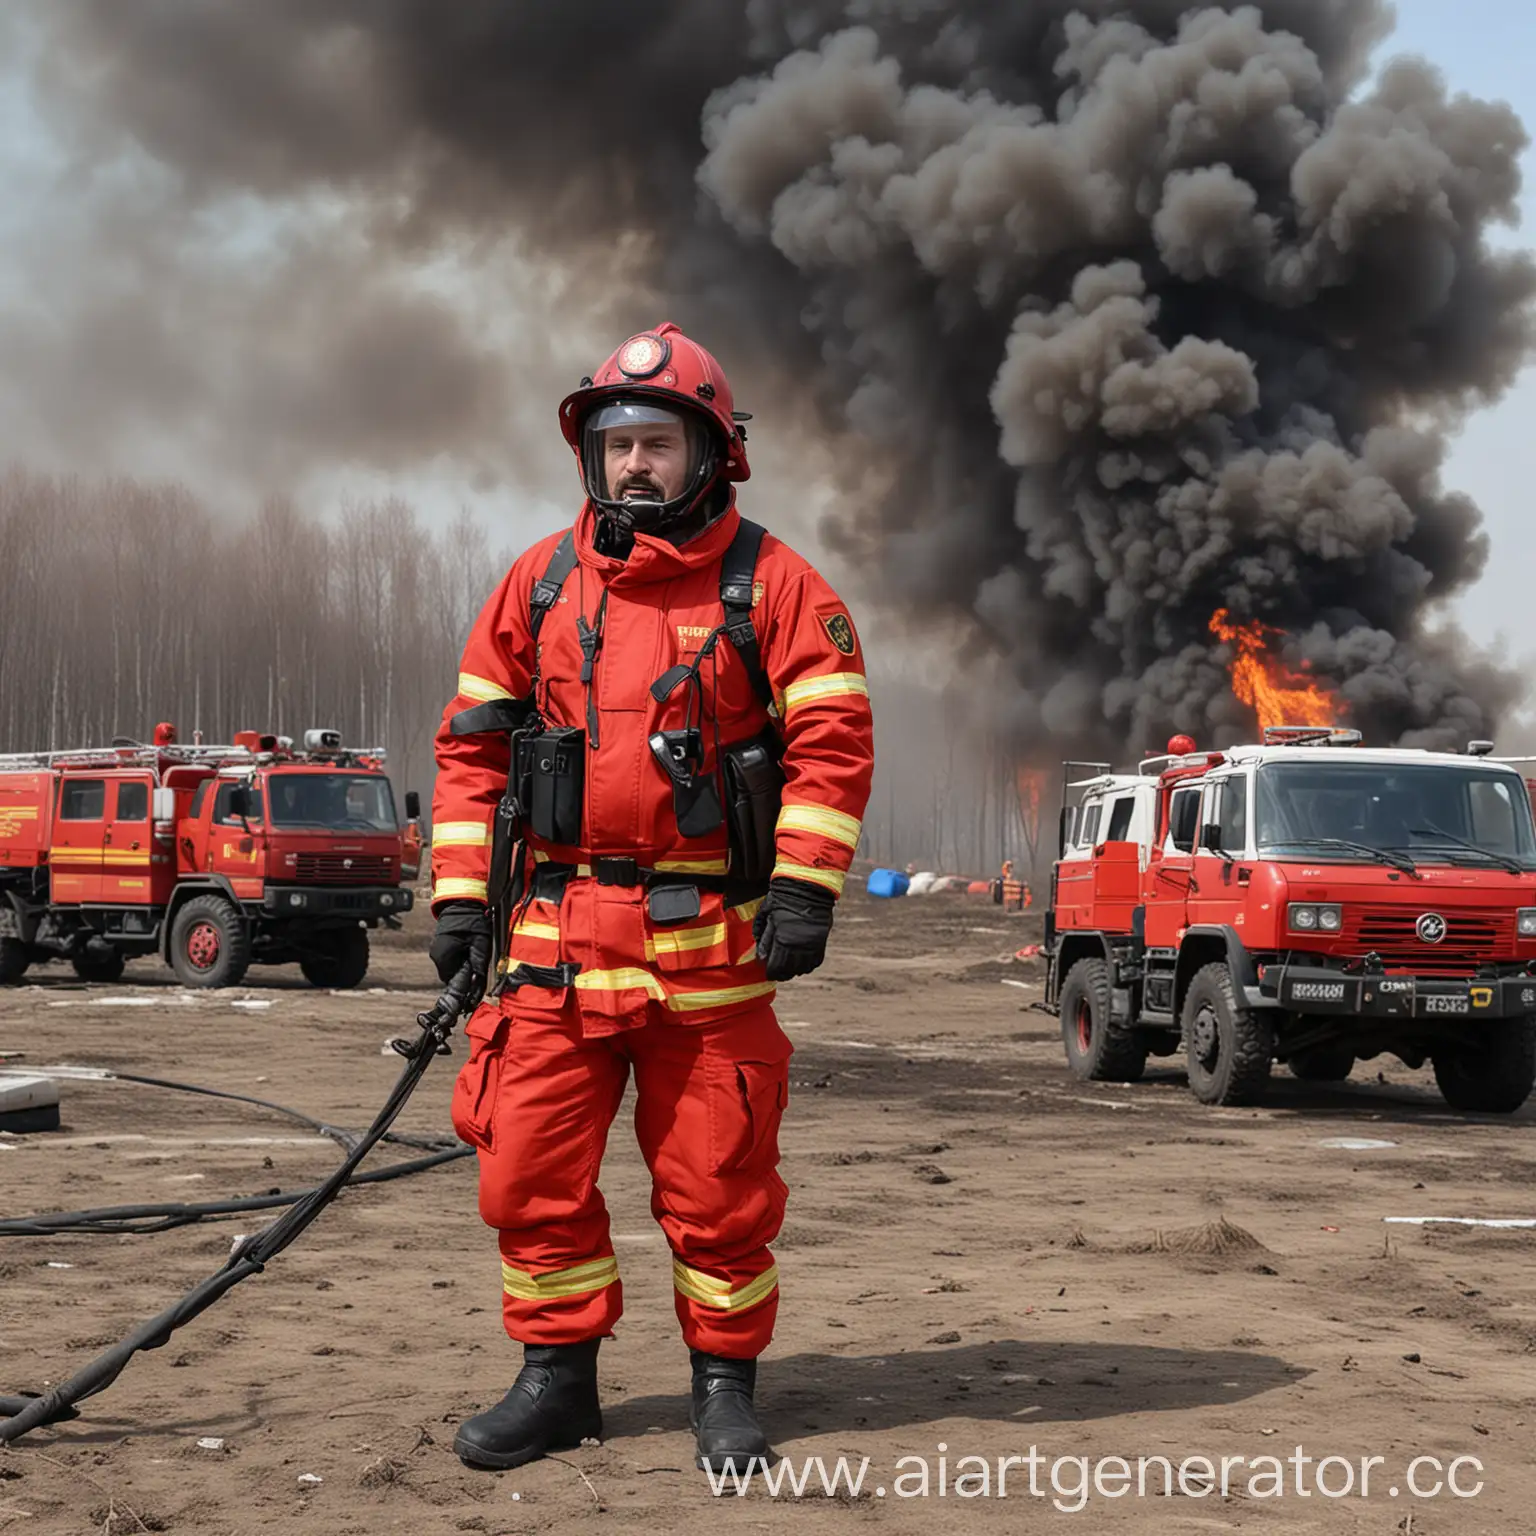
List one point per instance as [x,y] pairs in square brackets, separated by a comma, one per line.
[1277,695]
[1028,783]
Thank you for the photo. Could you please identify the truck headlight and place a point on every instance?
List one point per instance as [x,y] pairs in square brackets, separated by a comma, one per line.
[386,900]
[1313,917]
[1525,922]
[296,898]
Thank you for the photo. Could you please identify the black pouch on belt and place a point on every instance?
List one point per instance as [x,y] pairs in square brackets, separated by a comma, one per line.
[557,765]
[754,792]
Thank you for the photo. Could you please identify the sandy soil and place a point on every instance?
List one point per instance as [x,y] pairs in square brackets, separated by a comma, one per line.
[982,1254]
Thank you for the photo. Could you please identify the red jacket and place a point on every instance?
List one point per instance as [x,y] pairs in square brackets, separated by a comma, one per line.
[662,603]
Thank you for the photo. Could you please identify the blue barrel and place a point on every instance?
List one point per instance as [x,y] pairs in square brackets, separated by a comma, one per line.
[887,882]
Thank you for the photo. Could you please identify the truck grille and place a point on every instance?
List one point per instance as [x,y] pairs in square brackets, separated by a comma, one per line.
[343,869]
[1473,935]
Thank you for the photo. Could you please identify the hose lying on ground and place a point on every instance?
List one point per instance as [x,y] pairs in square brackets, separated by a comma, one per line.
[251,1255]
[140,1220]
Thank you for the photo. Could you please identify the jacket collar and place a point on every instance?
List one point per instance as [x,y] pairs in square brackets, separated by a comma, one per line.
[654,559]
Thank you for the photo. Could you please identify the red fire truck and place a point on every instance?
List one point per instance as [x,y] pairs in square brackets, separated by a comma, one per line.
[212,857]
[1308,900]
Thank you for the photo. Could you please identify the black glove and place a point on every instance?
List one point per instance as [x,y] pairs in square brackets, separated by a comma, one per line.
[463,938]
[792,926]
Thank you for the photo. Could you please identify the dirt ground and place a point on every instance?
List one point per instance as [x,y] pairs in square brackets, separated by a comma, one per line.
[982,1255]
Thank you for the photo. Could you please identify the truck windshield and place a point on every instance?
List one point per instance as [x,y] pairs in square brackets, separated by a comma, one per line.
[1435,813]
[343,802]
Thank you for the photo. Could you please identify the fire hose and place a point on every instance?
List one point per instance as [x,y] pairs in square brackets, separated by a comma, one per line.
[252,1254]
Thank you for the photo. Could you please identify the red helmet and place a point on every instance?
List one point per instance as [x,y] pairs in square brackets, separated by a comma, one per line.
[657,376]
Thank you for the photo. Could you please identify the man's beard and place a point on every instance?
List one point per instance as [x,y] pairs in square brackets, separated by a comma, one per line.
[640,490]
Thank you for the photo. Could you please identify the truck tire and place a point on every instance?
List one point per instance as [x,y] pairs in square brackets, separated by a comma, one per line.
[1322,1064]
[106,967]
[338,958]
[1228,1047]
[13,961]
[1097,1049]
[1496,1079]
[210,943]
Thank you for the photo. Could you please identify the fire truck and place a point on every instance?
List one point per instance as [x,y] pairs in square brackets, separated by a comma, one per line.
[1309,900]
[213,857]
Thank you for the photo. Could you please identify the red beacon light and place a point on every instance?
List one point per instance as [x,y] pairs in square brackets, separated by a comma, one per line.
[1181,745]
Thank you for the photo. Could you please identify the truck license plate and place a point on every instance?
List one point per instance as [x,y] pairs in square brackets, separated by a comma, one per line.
[1446,1005]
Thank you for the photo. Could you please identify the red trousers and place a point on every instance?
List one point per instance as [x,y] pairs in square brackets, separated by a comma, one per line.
[536,1099]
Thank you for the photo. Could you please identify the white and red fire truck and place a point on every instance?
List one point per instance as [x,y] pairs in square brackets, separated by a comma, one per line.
[1309,900]
[212,857]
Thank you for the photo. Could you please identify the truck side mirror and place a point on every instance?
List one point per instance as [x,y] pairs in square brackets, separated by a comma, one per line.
[1065,829]
[412,805]
[240,802]
[1210,837]
[164,804]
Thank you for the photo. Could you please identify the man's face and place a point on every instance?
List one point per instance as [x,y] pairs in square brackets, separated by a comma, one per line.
[646,462]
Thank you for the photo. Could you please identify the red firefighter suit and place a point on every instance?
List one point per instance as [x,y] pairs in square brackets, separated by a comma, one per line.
[687,1006]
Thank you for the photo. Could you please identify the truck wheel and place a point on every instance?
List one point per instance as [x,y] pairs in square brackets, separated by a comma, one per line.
[1495,1079]
[1322,1064]
[1096,1048]
[210,943]
[13,961]
[337,959]
[1228,1047]
[100,967]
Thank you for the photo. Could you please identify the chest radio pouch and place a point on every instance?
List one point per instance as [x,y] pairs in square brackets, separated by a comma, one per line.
[555,764]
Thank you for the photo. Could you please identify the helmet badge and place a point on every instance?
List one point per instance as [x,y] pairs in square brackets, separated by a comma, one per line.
[644,356]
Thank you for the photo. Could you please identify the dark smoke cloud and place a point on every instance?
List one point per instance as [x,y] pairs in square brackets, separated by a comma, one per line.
[1129,309]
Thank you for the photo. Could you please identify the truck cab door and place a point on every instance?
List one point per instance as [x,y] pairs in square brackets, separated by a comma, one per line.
[1170,870]
[128,840]
[1219,896]
[79,825]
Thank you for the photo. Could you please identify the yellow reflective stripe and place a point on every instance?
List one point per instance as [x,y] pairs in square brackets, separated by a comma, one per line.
[821,820]
[592,1276]
[833,879]
[537,931]
[691,866]
[710,1292]
[481,689]
[830,686]
[677,941]
[462,834]
[687,1002]
[446,888]
[628,980]
[747,910]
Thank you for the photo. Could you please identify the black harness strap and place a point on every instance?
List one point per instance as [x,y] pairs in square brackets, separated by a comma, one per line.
[546,590]
[737,570]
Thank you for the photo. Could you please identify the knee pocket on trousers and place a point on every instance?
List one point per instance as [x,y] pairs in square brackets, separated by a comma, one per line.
[473,1109]
[746,1103]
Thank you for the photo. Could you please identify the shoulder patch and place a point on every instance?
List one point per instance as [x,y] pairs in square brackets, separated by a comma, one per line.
[757,593]
[840,632]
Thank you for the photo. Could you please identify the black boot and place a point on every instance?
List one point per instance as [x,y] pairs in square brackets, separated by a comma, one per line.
[552,1407]
[722,1417]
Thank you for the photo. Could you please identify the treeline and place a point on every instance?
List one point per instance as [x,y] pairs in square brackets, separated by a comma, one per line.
[124,602]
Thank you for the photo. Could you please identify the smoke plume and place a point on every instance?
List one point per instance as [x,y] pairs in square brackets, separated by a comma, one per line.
[1116,311]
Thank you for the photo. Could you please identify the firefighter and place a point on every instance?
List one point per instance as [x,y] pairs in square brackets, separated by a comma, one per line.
[669,632]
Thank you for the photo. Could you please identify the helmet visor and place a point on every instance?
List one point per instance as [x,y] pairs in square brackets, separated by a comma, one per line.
[638,452]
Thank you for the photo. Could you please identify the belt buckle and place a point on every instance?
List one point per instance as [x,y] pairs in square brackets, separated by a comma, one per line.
[617,871]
